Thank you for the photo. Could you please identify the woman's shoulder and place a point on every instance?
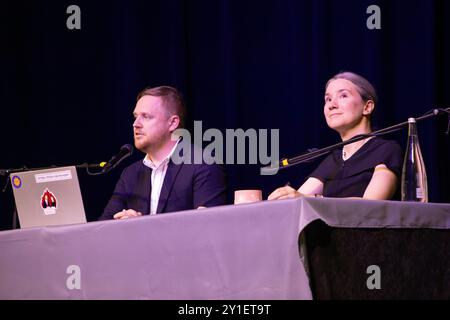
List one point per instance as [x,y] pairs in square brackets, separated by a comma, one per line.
[384,151]
[380,144]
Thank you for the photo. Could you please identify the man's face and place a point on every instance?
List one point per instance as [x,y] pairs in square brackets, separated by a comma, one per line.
[151,125]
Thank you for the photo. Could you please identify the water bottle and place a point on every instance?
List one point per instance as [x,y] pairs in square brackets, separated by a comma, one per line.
[414,176]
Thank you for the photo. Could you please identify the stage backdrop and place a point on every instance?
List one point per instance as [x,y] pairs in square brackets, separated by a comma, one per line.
[67,95]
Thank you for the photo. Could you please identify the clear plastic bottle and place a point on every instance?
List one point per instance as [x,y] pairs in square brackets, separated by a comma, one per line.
[414,176]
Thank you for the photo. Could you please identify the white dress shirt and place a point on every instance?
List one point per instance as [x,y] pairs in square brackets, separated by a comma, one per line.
[157,178]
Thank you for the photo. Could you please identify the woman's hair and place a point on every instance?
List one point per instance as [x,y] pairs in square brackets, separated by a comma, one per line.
[364,87]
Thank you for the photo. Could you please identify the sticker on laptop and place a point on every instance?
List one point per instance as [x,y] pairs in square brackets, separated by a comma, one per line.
[16,182]
[48,202]
[53,176]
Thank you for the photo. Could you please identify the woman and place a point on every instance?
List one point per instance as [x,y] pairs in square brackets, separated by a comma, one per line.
[368,168]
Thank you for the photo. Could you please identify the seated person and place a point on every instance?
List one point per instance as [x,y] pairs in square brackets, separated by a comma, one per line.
[157,184]
[369,168]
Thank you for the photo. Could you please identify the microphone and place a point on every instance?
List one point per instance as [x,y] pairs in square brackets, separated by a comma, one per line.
[125,151]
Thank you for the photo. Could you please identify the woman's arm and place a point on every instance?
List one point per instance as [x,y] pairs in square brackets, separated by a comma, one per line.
[383,184]
[312,186]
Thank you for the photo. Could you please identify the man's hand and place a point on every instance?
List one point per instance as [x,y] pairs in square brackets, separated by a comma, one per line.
[125,214]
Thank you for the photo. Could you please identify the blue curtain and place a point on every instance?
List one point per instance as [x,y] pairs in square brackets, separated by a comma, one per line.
[67,96]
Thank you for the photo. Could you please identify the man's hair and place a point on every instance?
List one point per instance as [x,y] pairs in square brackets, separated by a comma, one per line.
[172,100]
[364,87]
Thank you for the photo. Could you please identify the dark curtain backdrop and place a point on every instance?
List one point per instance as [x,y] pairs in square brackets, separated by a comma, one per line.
[67,96]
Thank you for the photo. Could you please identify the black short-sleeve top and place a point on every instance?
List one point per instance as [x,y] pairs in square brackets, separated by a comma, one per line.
[351,177]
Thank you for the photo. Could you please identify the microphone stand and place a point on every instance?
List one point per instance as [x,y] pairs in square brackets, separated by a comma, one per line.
[306,157]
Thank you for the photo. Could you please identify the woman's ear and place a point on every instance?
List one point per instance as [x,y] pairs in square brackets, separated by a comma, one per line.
[368,107]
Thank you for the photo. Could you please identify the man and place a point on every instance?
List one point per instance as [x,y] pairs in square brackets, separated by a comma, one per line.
[157,184]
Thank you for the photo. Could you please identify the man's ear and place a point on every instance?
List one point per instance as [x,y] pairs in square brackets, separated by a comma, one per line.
[174,123]
[368,107]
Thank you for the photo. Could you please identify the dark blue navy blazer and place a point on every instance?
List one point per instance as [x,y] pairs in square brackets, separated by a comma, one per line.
[185,187]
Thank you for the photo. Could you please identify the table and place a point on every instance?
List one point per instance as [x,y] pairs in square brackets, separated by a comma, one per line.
[263,250]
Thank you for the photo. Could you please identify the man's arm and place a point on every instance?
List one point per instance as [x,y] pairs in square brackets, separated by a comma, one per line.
[117,202]
[209,186]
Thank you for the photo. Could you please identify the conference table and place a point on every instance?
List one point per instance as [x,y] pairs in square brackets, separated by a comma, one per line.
[303,248]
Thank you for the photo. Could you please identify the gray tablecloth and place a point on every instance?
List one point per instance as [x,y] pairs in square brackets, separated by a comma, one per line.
[248,251]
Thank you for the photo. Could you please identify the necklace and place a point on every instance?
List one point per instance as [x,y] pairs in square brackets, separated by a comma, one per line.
[344,153]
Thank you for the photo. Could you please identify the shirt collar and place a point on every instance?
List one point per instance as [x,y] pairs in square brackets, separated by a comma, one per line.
[149,163]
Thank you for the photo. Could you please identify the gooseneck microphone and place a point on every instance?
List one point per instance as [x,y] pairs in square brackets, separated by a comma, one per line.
[125,151]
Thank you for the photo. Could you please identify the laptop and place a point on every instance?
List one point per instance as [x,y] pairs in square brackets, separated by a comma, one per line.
[48,197]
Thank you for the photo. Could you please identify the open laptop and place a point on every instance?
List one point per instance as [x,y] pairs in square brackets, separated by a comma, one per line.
[48,197]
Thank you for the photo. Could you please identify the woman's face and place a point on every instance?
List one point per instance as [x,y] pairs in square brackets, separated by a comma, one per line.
[344,108]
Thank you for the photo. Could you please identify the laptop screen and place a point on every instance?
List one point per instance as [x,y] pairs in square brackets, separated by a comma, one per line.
[48,197]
